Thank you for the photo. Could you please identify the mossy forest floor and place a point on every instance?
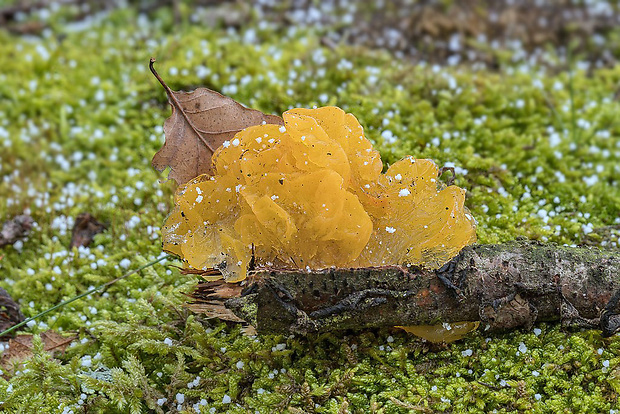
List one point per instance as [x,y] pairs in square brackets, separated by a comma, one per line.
[535,141]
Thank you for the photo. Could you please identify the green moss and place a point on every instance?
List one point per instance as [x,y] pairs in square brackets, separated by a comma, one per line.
[90,93]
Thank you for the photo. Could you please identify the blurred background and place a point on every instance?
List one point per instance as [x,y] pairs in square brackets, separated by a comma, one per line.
[479,33]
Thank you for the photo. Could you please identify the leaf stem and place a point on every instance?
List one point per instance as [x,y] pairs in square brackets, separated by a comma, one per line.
[176,104]
[88,292]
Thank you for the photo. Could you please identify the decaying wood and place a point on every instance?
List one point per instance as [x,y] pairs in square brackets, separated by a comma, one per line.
[209,300]
[504,286]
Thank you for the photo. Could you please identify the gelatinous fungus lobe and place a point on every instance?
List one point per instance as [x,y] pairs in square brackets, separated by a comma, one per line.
[421,221]
[311,194]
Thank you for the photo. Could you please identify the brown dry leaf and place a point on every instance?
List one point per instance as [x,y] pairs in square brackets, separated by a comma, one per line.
[20,347]
[84,230]
[200,122]
[15,229]
[10,314]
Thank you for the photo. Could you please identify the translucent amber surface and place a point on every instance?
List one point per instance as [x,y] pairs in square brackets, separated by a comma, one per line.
[447,332]
[310,194]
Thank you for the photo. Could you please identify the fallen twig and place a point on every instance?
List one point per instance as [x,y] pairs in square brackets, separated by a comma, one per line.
[504,286]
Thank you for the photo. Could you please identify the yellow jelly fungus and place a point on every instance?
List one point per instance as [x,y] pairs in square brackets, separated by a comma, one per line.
[310,194]
[447,332]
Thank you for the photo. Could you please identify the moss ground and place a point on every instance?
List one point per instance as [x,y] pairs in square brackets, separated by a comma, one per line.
[81,117]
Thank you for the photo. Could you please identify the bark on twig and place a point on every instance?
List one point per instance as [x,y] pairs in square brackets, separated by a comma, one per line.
[504,286]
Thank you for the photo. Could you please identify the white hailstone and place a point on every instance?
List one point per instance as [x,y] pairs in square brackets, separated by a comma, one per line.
[87,361]
[18,245]
[591,180]
[388,136]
